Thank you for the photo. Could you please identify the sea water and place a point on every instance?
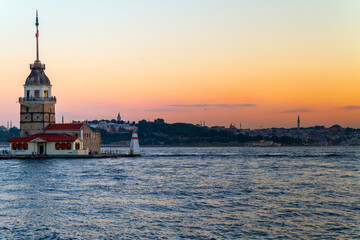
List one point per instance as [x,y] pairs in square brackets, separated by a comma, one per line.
[185,193]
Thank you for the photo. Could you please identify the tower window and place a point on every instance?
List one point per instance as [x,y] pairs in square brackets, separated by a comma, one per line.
[45,94]
[28,93]
[37,93]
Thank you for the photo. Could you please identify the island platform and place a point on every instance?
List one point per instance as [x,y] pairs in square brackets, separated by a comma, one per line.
[122,155]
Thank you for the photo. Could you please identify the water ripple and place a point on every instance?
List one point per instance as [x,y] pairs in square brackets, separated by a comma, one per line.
[185,193]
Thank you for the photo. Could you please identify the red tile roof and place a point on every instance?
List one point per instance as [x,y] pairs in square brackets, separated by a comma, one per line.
[65,126]
[45,137]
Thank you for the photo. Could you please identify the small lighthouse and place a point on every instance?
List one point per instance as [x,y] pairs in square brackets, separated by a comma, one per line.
[134,144]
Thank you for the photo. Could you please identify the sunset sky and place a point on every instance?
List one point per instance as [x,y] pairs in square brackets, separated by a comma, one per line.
[258,62]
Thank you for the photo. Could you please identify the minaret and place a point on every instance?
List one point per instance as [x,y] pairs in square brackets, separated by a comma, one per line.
[298,122]
[37,107]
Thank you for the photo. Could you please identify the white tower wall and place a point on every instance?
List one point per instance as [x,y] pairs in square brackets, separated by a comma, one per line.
[134,144]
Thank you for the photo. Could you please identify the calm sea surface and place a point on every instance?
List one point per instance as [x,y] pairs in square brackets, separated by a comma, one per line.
[185,193]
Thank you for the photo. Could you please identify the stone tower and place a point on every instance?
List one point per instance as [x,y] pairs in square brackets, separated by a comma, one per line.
[37,107]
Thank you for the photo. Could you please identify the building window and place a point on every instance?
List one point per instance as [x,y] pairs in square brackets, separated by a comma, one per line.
[19,146]
[77,146]
[28,93]
[45,94]
[63,146]
[37,93]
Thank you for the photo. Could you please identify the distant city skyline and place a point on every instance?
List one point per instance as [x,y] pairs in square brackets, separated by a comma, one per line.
[261,63]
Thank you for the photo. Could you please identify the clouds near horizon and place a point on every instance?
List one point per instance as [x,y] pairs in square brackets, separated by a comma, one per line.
[350,107]
[165,110]
[213,105]
[296,111]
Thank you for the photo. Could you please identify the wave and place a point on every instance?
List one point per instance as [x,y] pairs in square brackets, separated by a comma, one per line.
[192,155]
[269,155]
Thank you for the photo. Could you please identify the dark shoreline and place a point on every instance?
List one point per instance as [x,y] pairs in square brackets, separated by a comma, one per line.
[206,146]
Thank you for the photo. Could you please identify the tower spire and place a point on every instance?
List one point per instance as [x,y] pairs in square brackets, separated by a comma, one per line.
[37,37]
[298,122]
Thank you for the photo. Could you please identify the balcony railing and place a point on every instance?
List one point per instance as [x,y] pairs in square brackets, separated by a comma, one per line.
[32,99]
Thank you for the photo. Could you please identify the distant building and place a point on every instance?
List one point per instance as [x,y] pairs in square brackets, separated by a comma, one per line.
[118,118]
[298,122]
[3,128]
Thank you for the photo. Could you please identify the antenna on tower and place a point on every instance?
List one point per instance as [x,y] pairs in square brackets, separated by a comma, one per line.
[37,36]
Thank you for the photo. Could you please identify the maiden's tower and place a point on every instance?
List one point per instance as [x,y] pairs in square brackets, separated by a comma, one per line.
[39,134]
[37,107]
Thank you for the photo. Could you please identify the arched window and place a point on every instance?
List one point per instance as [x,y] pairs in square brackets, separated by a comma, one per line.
[57,146]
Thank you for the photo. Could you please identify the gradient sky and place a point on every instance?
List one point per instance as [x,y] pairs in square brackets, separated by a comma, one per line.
[258,62]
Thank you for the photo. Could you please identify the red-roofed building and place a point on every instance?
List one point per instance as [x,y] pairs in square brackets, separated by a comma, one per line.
[65,126]
[47,144]
[45,137]
[58,140]
[91,138]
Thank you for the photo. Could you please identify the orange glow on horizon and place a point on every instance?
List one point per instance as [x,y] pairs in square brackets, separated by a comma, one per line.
[287,59]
